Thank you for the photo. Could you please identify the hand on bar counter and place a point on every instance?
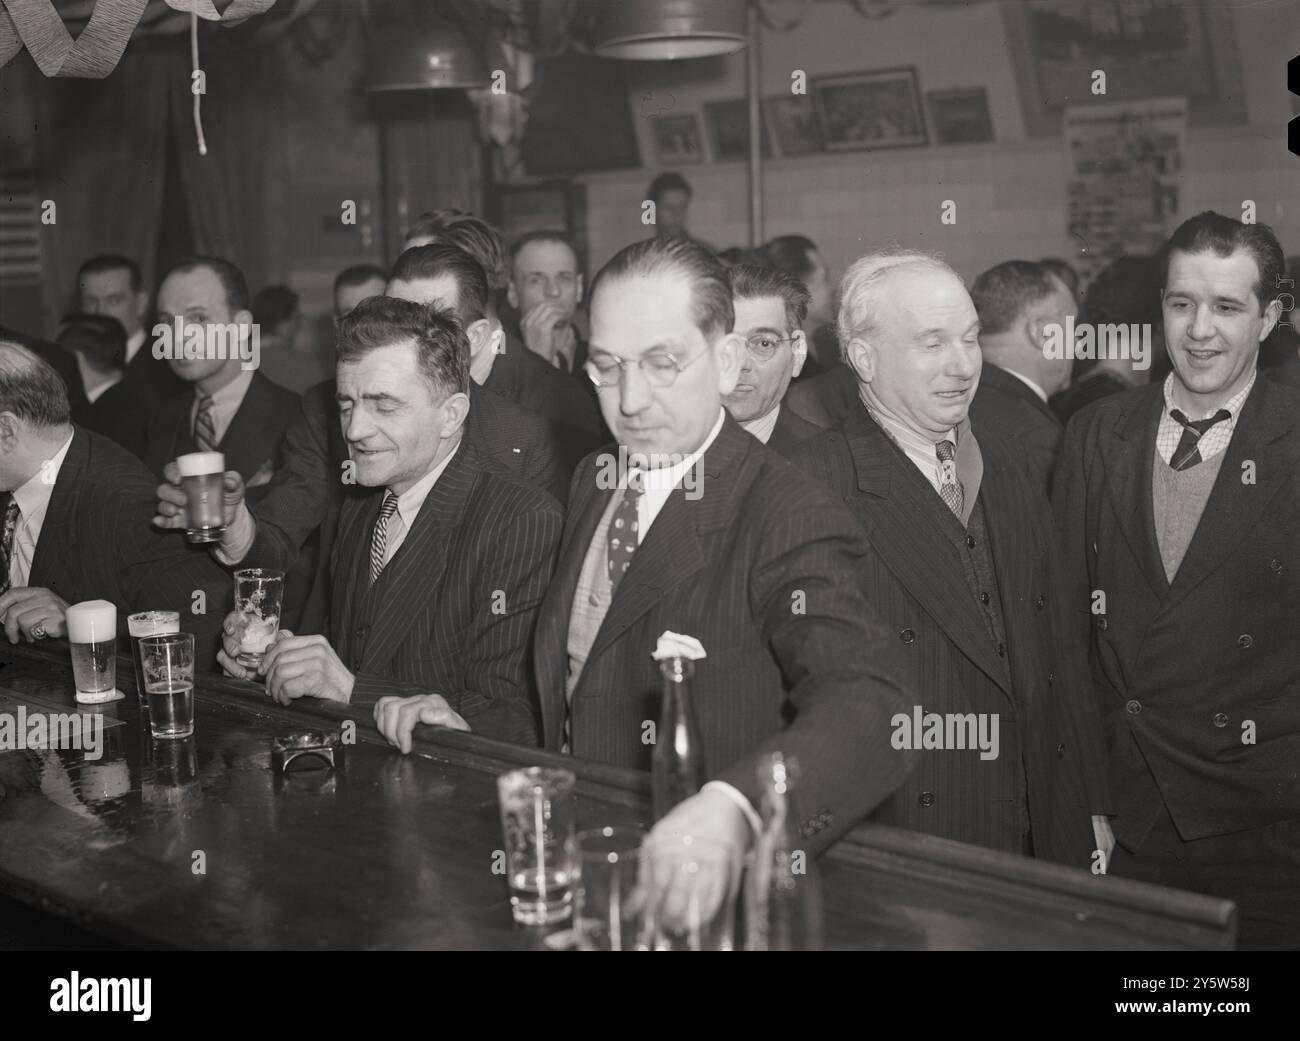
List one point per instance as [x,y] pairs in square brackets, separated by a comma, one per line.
[34,613]
[396,717]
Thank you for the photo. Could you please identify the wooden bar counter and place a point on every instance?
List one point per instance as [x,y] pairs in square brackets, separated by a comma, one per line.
[198,844]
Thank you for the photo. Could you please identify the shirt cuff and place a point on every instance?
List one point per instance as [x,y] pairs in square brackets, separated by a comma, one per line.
[238,539]
[734,794]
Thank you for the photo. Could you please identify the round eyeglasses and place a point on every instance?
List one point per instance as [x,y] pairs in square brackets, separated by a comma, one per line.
[763,345]
[659,368]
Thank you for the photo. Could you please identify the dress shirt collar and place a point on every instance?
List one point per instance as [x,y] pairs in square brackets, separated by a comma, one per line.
[33,497]
[1233,404]
[410,501]
[659,483]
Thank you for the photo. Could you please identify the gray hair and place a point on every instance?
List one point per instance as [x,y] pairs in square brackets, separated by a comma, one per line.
[863,283]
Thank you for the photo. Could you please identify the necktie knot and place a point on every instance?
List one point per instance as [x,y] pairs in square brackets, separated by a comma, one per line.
[946,451]
[1188,453]
[1199,425]
[389,506]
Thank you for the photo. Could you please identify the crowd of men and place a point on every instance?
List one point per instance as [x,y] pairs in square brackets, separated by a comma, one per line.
[499,502]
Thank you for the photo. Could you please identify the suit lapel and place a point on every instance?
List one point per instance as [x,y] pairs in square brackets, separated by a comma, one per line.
[1128,450]
[899,515]
[1234,507]
[245,441]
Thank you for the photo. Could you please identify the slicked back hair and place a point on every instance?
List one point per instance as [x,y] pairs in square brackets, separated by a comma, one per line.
[792,254]
[421,263]
[359,275]
[1003,293]
[711,307]
[31,389]
[751,282]
[231,278]
[480,240]
[112,262]
[441,349]
[861,287]
[1211,232]
[100,337]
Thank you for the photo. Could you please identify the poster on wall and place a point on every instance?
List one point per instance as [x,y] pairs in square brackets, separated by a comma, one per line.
[1125,177]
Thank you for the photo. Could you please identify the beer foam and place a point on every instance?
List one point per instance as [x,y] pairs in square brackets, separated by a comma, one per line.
[92,621]
[153,623]
[196,464]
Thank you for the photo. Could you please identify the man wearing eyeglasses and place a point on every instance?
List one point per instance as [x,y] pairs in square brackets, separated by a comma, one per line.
[709,534]
[770,310]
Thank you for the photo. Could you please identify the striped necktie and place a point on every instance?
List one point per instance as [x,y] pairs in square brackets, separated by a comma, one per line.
[7,542]
[949,487]
[205,426]
[379,542]
[1188,452]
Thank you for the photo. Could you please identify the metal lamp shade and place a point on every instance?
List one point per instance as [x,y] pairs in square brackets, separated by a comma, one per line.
[418,57]
[658,30]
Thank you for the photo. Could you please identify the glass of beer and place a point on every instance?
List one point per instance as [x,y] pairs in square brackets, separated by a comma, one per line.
[92,633]
[537,807]
[259,595]
[203,481]
[168,665]
[609,901]
[148,623]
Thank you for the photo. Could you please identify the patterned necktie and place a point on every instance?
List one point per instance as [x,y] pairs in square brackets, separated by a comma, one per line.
[7,542]
[1188,452]
[949,487]
[379,542]
[623,536]
[205,427]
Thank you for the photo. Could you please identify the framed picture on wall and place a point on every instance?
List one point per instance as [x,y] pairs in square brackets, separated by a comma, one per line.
[677,140]
[795,124]
[960,117]
[871,110]
[729,130]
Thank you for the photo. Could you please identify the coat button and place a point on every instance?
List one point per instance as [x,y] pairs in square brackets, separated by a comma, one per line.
[1051,678]
[359,632]
[1245,641]
[907,636]
[970,541]
[1134,707]
[1276,566]
[984,598]
[1041,602]
[1102,624]
[1060,750]
[1002,650]
[926,799]
[1220,719]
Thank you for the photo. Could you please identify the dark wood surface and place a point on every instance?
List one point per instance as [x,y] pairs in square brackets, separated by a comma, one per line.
[396,851]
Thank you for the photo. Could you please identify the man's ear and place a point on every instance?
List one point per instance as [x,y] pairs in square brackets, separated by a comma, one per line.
[799,347]
[1036,330]
[861,357]
[512,298]
[480,337]
[1272,313]
[729,351]
[581,287]
[455,410]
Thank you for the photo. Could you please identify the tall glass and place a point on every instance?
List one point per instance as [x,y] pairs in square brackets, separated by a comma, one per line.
[609,905]
[148,623]
[259,595]
[168,665]
[203,482]
[537,821]
[92,634]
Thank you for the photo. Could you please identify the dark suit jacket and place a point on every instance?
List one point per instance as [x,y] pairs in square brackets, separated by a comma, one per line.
[1005,406]
[151,378]
[758,567]
[120,414]
[1181,668]
[453,612]
[915,580]
[791,430]
[826,399]
[61,360]
[98,542]
[520,376]
[307,491]
[251,442]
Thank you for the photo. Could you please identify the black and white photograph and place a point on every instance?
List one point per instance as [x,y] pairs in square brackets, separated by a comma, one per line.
[455,495]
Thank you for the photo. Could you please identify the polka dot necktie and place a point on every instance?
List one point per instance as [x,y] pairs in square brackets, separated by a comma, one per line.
[7,542]
[623,534]
[949,487]
[1188,452]
[379,541]
[205,426]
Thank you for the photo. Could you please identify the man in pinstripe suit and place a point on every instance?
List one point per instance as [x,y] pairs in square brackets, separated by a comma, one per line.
[707,532]
[961,564]
[438,572]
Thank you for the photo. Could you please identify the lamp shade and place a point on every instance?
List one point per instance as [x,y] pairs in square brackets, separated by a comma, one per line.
[657,30]
[411,56]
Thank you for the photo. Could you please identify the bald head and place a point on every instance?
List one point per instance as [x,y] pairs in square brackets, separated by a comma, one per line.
[34,414]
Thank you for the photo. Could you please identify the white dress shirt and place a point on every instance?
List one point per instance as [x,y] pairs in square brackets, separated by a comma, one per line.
[33,500]
[408,508]
[763,426]
[225,403]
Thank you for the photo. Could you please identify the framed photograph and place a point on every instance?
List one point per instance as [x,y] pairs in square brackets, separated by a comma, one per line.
[870,110]
[960,117]
[729,130]
[795,124]
[677,140]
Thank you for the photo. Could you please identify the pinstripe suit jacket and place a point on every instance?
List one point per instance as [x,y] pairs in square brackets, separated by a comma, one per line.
[759,568]
[453,612]
[98,542]
[915,580]
[1218,647]
[1007,407]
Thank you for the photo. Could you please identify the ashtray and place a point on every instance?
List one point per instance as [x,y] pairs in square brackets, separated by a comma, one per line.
[310,748]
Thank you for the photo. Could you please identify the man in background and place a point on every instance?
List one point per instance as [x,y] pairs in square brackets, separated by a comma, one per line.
[354,284]
[113,409]
[545,290]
